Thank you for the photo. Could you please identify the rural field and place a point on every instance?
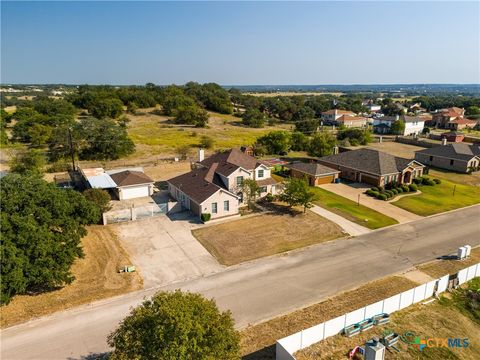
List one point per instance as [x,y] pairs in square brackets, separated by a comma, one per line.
[231,244]
[96,276]
[394,148]
[156,134]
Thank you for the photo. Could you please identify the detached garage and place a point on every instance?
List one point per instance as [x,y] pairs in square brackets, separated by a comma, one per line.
[315,173]
[132,184]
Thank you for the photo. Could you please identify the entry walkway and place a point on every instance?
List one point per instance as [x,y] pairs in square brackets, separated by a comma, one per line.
[348,226]
[352,191]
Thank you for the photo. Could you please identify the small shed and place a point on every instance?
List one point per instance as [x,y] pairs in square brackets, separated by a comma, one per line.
[316,173]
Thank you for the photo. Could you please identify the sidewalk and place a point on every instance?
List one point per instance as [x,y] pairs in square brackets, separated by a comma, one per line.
[347,225]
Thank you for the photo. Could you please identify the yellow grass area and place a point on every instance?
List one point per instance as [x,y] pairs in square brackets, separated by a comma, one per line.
[467,179]
[156,134]
[426,321]
[395,148]
[258,342]
[254,237]
[96,276]
[439,268]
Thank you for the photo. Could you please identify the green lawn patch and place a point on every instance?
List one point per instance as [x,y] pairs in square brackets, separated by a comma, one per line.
[349,209]
[440,198]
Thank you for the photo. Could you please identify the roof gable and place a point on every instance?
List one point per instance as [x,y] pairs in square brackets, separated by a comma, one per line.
[128,178]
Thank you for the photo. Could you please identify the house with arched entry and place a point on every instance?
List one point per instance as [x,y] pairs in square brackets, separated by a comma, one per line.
[373,167]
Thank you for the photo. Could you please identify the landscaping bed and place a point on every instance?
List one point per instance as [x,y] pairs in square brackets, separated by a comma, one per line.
[390,191]
[254,237]
[350,210]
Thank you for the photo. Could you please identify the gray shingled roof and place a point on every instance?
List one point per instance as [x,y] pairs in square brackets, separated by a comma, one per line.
[314,169]
[368,160]
[459,151]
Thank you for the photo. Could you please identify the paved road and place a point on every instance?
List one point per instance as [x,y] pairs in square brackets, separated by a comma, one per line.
[261,289]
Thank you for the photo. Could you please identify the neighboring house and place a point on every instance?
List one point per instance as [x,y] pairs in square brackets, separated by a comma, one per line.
[401,107]
[373,167]
[453,136]
[124,183]
[460,157]
[442,117]
[331,116]
[373,108]
[215,185]
[352,121]
[413,124]
[460,123]
[132,184]
[248,150]
[316,173]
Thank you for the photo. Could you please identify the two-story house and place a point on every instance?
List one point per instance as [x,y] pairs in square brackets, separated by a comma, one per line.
[442,117]
[331,116]
[413,124]
[214,186]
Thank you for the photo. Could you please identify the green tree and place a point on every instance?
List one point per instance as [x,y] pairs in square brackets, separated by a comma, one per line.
[398,127]
[191,115]
[106,108]
[28,162]
[355,136]
[275,142]
[99,197]
[176,326]
[253,118]
[472,110]
[307,126]
[250,190]
[321,144]
[41,230]
[299,141]
[296,192]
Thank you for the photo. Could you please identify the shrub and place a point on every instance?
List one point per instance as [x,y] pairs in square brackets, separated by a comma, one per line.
[369,192]
[413,187]
[375,193]
[382,197]
[399,190]
[381,188]
[418,180]
[60,166]
[430,182]
[269,197]
[405,188]
[395,191]
[425,180]
[205,217]
[374,189]
[437,181]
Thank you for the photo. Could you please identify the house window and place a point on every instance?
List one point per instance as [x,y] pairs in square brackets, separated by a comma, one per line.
[239,180]
[226,205]
[260,173]
[214,208]
[431,158]
[451,162]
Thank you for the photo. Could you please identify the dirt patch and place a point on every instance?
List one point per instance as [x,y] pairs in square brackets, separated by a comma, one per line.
[255,237]
[96,276]
[395,148]
[258,342]
[165,171]
[439,268]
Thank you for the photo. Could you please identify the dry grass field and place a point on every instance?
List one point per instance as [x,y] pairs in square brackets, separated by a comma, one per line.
[439,268]
[245,239]
[258,342]
[96,276]
[394,148]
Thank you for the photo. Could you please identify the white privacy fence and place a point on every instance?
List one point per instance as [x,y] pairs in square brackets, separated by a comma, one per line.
[286,347]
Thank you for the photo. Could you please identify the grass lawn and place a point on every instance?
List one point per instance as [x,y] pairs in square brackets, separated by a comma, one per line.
[258,341]
[96,276]
[440,198]
[439,268]
[349,209]
[467,179]
[448,317]
[254,237]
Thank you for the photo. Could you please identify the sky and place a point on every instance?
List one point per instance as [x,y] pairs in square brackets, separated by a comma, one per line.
[240,43]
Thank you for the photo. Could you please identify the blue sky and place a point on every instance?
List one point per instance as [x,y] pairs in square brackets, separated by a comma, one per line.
[240,43]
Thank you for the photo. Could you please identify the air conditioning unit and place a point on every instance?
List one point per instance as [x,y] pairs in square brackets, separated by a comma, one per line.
[462,252]
[469,249]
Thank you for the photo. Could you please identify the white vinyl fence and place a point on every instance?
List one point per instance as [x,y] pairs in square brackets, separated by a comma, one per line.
[286,347]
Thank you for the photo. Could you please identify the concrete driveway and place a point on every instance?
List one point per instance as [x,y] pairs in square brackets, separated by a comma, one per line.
[352,191]
[164,249]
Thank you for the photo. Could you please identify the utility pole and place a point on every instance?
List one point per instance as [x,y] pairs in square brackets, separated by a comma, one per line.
[72,154]
[454,187]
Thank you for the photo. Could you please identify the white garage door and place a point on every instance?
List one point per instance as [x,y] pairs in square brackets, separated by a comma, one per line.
[134,192]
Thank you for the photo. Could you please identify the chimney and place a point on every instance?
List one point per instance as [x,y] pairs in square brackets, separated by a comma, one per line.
[444,141]
[335,149]
[201,155]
